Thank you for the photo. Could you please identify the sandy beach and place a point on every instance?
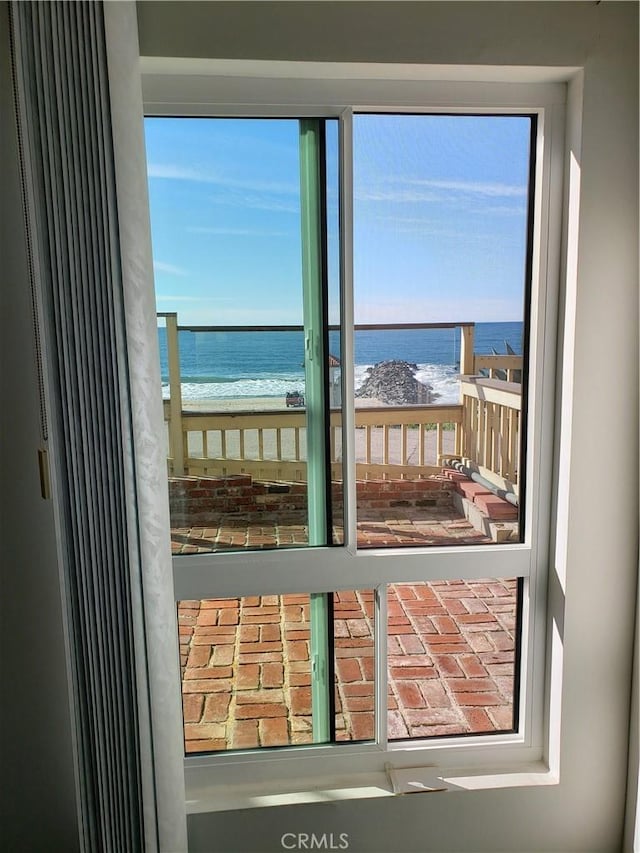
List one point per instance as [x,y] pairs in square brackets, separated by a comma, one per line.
[258,404]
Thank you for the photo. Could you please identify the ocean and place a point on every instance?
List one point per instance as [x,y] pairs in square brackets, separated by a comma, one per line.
[223,365]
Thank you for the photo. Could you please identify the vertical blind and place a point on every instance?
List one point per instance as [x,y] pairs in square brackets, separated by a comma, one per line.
[62,89]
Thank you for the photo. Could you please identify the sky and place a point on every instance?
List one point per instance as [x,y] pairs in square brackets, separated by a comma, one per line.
[439,228]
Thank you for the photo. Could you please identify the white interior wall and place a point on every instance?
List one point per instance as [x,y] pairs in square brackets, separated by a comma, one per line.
[597,567]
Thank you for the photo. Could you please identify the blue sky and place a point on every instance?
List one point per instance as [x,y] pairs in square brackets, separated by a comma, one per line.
[439,218]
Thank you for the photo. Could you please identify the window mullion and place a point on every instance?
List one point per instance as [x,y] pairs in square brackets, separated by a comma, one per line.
[311,200]
[347,332]
[312,204]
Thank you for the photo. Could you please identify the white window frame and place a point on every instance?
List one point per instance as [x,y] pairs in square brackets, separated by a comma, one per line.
[233,88]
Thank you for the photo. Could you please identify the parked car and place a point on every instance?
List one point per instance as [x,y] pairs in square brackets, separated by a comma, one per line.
[295,399]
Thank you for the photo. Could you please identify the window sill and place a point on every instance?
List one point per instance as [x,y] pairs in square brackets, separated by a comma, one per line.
[222,798]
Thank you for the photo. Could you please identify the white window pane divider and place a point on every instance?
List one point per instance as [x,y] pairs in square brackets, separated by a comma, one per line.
[331,569]
[347,334]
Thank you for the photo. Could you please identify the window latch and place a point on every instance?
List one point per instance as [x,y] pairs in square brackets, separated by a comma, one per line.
[45,480]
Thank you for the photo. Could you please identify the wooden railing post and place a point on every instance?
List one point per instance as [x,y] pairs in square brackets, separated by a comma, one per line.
[176,441]
[490,427]
[466,350]
[466,369]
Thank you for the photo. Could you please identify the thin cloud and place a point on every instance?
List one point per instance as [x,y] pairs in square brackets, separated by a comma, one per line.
[417,225]
[237,232]
[411,190]
[504,210]
[169,269]
[181,298]
[493,189]
[397,195]
[255,202]
[174,172]
[433,228]
[278,187]
[436,310]
[426,231]
[219,315]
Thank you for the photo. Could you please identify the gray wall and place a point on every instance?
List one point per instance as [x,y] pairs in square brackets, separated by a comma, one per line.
[37,800]
[597,564]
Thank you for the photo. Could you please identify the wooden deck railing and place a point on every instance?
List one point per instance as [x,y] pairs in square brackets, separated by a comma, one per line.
[394,441]
[391,442]
[402,441]
[510,366]
[397,441]
[491,428]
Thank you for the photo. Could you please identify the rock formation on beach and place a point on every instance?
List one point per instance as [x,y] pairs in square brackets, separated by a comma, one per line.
[394,383]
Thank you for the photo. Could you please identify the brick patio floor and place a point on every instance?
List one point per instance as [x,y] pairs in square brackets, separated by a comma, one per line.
[392,527]
[246,669]
[246,666]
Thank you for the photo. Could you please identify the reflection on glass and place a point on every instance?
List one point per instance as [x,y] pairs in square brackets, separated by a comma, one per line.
[247,679]
[228,200]
[440,249]
[246,673]
[451,649]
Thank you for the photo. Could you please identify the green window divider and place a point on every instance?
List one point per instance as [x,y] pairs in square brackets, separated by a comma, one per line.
[312,203]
